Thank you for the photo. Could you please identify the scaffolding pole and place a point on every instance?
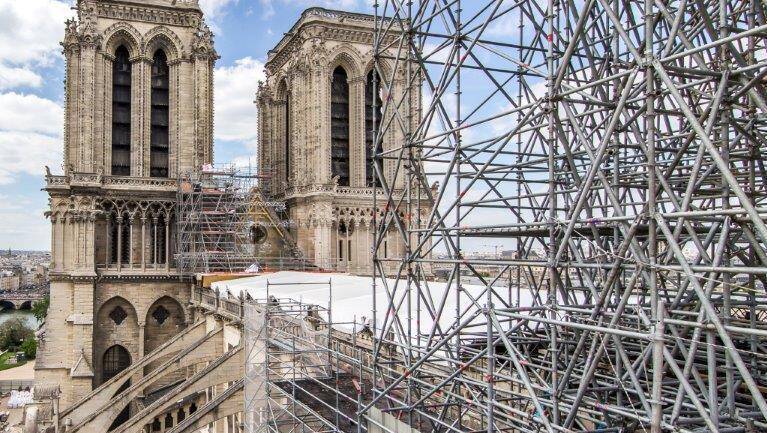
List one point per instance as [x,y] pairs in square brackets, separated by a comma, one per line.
[614,149]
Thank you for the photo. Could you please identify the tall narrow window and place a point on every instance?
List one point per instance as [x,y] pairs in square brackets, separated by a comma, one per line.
[339,126]
[113,247]
[372,124]
[287,136]
[157,244]
[159,137]
[121,113]
[125,253]
[119,237]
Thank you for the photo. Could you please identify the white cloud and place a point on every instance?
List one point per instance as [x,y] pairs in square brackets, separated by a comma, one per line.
[30,113]
[235,91]
[12,77]
[22,222]
[506,25]
[26,152]
[30,135]
[30,31]
[214,10]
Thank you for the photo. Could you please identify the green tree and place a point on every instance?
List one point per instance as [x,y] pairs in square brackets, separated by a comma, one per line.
[29,346]
[40,308]
[13,332]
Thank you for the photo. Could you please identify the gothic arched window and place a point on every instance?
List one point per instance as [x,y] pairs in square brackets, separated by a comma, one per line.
[116,359]
[339,126]
[372,124]
[287,136]
[121,113]
[158,159]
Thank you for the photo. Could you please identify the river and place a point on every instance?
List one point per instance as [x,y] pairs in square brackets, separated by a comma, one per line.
[24,315]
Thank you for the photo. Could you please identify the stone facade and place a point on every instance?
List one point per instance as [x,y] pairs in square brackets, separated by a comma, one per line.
[318,98]
[138,112]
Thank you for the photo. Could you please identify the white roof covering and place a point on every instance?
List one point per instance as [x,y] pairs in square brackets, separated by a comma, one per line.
[352,296]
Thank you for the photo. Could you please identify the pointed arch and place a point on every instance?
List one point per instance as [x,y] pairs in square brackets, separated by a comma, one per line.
[116,324]
[164,319]
[122,33]
[347,56]
[162,38]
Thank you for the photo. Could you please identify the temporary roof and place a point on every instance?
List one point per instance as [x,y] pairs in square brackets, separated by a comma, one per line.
[352,301]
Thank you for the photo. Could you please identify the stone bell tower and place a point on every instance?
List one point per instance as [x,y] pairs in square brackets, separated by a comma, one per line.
[318,109]
[139,111]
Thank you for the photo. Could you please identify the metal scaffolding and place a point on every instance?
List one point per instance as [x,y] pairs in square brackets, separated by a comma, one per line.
[614,149]
[223,221]
[214,216]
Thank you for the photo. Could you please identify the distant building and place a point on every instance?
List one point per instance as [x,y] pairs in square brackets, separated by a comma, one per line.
[9,281]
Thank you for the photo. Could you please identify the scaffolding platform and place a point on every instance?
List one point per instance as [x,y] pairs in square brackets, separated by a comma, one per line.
[225,226]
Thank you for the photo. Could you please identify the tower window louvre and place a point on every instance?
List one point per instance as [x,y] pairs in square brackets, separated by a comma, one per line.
[121,113]
[160,116]
[339,126]
[372,124]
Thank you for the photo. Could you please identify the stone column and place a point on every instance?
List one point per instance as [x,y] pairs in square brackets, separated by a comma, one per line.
[356,131]
[90,241]
[322,245]
[167,245]
[108,240]
[143,242]
[81,373]
[141,68]
[71,110]
[203,88]
[173,119]
[54,247]
[141,326]
[119,242]
[132,243]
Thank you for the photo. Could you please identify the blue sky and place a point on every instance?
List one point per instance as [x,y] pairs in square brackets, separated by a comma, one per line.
[31,94]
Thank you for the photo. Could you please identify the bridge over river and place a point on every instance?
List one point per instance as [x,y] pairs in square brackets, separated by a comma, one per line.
[20,299]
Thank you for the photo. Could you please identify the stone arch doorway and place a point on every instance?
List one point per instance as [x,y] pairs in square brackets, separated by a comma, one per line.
[164,319]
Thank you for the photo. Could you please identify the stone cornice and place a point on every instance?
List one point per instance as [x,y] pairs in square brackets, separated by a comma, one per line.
[325,24]
[117,183]
[157,14]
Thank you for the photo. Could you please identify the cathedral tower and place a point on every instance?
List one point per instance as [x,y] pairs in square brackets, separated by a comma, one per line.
[139,112]
[318,108]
